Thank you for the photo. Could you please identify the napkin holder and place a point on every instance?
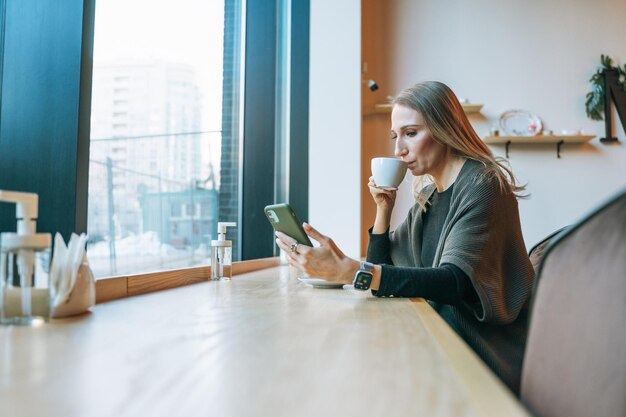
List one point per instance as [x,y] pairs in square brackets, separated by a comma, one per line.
[73,283]
[82,295]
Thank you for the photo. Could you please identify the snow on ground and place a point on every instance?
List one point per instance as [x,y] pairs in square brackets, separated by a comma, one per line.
[141,253]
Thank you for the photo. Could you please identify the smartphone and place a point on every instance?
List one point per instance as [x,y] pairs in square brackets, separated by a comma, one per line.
[284,219]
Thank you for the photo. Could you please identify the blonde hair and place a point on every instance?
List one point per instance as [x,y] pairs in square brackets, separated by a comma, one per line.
[445,118]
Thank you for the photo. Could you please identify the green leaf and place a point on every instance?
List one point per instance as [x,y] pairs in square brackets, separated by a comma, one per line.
[594,100]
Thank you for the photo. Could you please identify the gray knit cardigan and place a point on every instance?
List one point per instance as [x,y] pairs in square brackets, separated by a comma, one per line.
[482,236]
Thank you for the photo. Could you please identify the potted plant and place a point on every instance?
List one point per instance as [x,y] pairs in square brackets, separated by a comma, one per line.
[594,104]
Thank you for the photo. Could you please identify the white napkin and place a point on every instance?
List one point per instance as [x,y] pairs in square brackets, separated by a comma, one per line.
[66,262]
[58,262]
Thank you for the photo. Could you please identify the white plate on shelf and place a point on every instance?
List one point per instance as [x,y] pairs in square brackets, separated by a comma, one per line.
[520,123]
[320,283]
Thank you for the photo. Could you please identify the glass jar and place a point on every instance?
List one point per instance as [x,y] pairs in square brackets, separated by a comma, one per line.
[24,285]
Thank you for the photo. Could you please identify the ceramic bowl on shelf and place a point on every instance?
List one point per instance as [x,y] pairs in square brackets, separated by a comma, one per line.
[520,123]
[571,132]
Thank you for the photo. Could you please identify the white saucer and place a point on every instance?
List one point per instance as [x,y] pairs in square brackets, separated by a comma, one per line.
[387,188]
[320,283]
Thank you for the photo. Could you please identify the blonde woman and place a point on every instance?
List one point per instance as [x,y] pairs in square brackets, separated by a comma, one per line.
[461,245]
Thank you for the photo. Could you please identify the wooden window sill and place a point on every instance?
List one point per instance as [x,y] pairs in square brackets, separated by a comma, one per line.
[108,289]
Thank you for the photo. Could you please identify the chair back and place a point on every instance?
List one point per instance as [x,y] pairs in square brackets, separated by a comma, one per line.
[575,357]
[536,252]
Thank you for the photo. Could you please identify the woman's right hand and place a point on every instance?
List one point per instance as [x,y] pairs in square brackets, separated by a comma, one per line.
[384,199]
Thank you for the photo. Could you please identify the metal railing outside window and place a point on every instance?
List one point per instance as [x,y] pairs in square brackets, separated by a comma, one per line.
[145,217]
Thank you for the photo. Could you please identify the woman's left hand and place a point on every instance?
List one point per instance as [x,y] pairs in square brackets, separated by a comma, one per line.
[326,261]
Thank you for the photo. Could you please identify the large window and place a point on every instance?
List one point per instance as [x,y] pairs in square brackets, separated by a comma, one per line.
[130,121]
[156,132]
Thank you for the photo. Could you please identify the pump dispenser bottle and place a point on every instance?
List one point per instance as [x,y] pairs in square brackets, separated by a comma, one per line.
[222,253]
[24,265]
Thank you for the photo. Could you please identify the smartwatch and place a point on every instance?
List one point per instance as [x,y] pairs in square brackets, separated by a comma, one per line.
[363,277]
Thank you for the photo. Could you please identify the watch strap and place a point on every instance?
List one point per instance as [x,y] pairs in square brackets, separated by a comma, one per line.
[366,266]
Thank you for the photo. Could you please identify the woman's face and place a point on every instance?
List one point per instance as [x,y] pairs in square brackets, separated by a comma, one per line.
[414,142]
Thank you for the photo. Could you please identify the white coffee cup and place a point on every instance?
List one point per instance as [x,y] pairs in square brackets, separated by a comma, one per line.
[388,172]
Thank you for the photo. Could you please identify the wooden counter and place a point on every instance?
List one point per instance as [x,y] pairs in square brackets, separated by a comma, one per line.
[263,344]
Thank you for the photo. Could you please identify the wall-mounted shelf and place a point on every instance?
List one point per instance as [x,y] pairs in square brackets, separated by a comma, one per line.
[471,107]
[557,140]
[386,108]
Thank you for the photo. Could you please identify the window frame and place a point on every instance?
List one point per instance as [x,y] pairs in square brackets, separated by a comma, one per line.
[260,104]
[2,26]
[45,119]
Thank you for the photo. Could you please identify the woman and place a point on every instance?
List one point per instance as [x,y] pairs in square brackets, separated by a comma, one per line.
[461,245]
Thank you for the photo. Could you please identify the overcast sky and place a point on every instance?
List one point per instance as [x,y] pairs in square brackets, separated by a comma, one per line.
[184,31]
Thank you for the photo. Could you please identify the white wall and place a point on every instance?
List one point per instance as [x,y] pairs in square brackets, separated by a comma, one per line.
[533,55]
[335,121]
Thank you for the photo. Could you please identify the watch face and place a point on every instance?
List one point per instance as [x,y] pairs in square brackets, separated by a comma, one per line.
[362,280]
